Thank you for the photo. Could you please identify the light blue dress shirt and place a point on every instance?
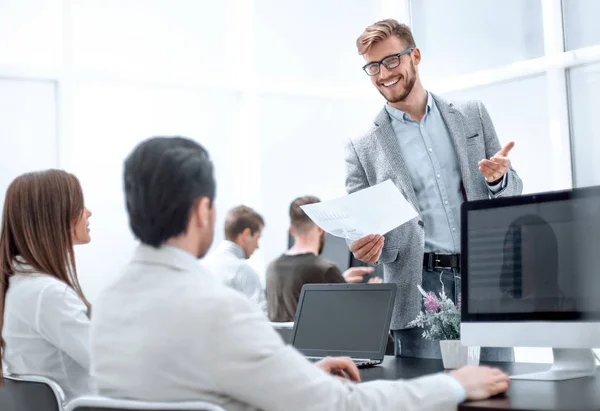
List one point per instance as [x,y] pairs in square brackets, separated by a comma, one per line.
[228,261]
[431,160]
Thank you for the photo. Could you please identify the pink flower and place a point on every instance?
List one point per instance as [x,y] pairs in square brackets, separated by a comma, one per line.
[431,302]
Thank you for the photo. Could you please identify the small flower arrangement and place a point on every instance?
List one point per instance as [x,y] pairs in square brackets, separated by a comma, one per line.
[440,319]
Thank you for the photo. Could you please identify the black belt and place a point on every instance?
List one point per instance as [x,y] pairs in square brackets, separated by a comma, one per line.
[433,261]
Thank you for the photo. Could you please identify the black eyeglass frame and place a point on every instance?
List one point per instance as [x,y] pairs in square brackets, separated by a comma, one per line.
[379,63]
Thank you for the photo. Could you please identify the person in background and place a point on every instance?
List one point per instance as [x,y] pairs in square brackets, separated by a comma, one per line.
[439,154]
[188,337]
[243,227]
[302,264]
[44,315]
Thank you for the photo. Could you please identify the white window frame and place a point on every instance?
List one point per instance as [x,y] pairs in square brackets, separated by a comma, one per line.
[554,64]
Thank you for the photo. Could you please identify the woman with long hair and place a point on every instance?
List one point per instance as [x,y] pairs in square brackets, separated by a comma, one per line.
[44,315]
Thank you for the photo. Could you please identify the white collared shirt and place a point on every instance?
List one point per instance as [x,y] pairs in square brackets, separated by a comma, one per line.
[228,262]
[167,330]
[46,329]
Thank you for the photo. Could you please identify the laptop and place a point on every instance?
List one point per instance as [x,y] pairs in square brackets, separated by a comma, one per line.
[350,320]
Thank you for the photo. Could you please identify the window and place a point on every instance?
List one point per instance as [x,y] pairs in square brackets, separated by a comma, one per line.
[462,36]
[176,39]
[581,23]
[20,102]
[31,32]
[584,99]
[520,113]
[312,40]
[108,121]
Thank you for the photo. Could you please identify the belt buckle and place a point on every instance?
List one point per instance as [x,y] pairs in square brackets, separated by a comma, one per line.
[439,266]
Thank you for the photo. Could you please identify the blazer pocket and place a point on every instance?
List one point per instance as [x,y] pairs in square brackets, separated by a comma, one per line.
[388,255]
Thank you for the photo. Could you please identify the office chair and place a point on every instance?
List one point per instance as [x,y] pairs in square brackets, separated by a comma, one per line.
[90,403]
[31,393]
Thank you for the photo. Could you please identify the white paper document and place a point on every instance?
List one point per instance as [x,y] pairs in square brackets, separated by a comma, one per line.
[374,210]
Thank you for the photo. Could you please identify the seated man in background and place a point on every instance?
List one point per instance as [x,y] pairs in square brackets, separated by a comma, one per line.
[167,330]
[302,264]
[243,227]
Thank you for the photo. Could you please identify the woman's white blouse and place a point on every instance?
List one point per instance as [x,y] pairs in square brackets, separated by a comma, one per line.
[46,329]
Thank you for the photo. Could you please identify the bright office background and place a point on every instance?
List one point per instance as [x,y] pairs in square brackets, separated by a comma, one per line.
[273,88]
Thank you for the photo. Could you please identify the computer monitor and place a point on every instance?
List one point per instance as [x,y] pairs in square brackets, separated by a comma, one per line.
[336,250]
[530,276]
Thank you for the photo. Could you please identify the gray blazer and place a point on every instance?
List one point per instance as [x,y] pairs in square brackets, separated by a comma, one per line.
[375,156]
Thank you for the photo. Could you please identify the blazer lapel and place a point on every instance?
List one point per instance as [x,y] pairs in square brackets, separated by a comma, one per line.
[389,142]
[455,124]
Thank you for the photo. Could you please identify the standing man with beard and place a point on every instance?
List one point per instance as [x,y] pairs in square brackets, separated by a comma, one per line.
[439,154]
[301,265]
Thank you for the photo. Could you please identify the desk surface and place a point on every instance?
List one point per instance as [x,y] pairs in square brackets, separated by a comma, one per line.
[571,395]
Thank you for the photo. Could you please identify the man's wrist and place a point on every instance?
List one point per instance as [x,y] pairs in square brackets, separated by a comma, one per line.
[499,185]
[460,392]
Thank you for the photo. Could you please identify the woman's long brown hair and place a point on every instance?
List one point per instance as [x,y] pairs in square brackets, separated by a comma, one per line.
[40,210]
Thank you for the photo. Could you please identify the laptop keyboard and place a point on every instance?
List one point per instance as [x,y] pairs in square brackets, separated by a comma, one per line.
[359,363]
[365,364]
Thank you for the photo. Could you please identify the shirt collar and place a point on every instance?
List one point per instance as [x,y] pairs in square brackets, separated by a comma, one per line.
[181,253]
[233,248]
[403,116]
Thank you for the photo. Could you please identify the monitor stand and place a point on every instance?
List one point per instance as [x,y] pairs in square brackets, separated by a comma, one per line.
[568,364]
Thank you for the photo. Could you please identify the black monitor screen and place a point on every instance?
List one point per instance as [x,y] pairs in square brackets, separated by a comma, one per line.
[537,256]
[343,320]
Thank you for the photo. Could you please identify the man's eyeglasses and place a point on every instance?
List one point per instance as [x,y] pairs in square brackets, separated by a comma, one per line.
[390,62]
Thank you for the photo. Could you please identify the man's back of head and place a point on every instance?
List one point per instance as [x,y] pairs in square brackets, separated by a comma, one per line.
[169,192]
[243,226]
[300,222]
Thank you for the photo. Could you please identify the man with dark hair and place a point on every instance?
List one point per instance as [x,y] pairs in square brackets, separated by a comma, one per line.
[302,264]
[167,330]
[162,216]
[243,227]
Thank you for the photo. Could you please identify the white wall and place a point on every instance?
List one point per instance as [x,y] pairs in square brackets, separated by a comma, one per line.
[27,128]
[108,122]
[272,90]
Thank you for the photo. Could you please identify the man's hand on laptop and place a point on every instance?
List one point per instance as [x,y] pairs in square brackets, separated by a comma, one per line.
[342,367]
[368,248]
[356,274]
[481,382]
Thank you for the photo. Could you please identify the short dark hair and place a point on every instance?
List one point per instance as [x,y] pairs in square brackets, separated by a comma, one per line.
[301,222]
[164,178]
[239,218]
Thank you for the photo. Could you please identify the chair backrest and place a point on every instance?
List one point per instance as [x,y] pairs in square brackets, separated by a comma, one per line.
[31,393]
[90,403]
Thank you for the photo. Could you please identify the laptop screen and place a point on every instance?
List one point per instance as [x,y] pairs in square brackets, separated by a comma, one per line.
[344,319]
